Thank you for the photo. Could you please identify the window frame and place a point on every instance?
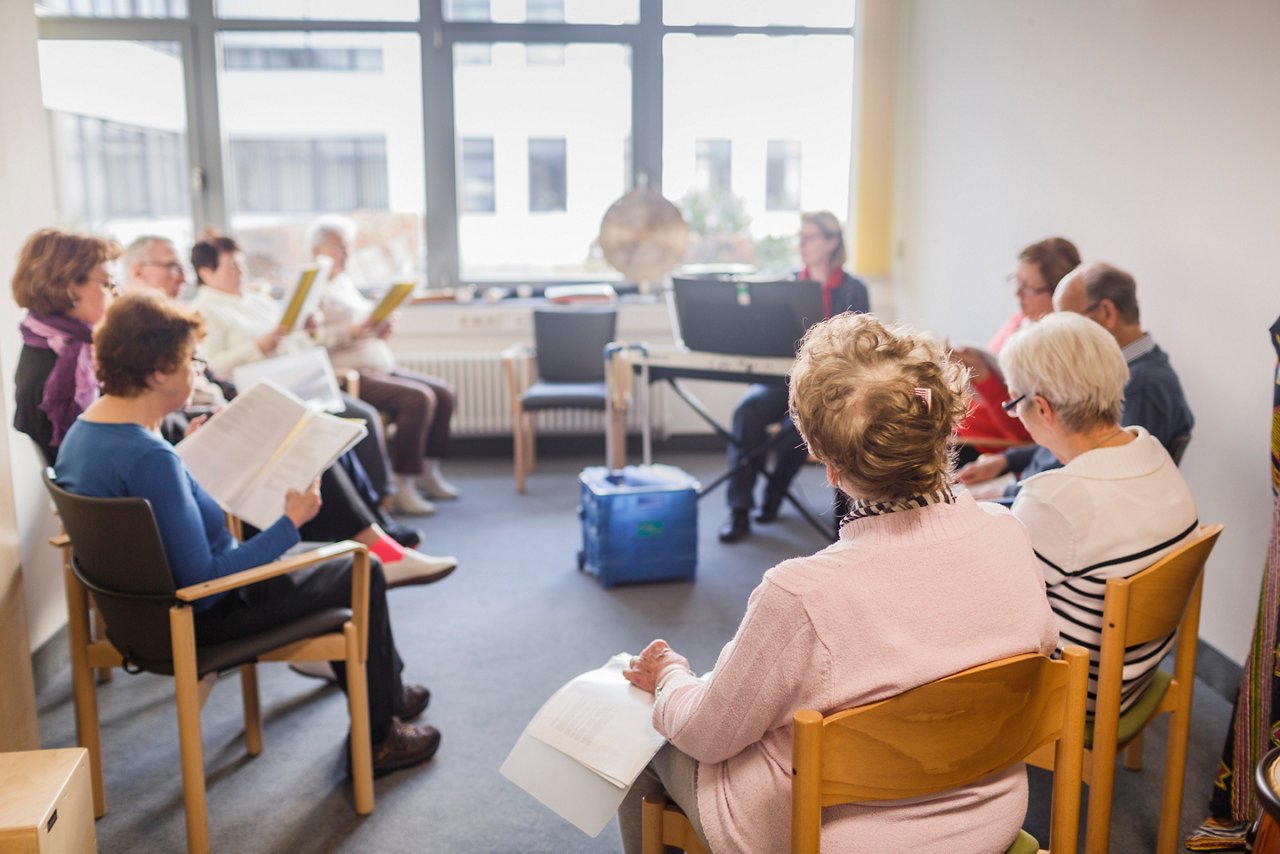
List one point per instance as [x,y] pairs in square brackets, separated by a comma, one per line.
[208,152]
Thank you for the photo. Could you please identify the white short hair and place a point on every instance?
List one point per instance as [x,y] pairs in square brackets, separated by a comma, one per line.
[342,227]
[1073,363]
[140,250]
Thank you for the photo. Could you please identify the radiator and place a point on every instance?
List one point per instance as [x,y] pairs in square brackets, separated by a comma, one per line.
[483,400]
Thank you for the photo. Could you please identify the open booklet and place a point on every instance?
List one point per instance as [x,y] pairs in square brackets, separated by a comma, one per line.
[391,300]
[307,375]
[261,445]
[304,297]
[586,746]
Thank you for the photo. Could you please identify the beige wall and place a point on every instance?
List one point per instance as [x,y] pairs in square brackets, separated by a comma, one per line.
[1148,132]
[29,569]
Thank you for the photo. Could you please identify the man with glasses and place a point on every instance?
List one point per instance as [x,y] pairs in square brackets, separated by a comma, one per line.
[151,262]
[1153,397]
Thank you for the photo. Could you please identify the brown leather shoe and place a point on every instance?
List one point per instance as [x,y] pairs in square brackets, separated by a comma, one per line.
[407,745]
[413,702]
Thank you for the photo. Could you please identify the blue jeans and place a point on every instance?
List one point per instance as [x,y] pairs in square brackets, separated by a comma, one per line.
[759,407]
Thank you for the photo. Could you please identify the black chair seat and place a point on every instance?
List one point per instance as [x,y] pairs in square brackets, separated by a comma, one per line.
[217,657]
[545,395]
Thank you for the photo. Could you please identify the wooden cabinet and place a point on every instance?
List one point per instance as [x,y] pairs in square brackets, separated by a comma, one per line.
[46,806]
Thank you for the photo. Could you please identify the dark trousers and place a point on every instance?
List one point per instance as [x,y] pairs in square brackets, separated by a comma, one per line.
[372,449]
[760,406]
[344,511]
[266,604]
[420,407]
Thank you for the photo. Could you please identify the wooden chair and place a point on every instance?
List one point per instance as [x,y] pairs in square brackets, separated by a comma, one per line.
[564,370]
[114,551]
[1152,604]
[939,736]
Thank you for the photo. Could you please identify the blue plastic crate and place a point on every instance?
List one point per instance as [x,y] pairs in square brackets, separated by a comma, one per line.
[638,524]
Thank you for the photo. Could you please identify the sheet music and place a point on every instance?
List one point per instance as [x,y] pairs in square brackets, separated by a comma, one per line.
[307,375]
[603,721]
[315,286]
[262,444]
[586,745]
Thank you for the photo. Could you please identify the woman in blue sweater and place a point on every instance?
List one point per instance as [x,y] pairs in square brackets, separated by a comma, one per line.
[144,353]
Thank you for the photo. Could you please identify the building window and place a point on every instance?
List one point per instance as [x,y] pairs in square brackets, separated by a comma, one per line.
[310,175]
[548,187]
[476,185]
[782,176]
[714,165]
[544,11]
[111,170]
[254,58]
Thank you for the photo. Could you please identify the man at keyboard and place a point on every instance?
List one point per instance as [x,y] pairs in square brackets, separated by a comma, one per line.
[823,253]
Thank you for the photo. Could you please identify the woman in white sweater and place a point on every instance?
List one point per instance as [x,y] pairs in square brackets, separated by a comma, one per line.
[921,584]
[1116,506]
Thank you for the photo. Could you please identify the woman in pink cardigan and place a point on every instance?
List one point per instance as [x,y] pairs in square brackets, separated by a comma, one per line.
[921,584]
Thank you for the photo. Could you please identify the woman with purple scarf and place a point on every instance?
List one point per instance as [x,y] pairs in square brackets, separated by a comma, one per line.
[63,282]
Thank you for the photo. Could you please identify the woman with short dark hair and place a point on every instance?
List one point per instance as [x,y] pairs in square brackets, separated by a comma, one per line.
[114,450]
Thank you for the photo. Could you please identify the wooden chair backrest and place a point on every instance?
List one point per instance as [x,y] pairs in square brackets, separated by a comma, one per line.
[1151,604]
[943,735]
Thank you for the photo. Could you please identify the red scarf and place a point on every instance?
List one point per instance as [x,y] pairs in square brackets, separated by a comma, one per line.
[834,279]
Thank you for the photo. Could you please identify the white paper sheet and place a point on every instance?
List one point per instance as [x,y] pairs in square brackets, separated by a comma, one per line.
[307,375]
[585,746]
[603,721]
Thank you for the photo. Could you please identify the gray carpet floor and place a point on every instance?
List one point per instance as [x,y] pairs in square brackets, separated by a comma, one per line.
[493,642]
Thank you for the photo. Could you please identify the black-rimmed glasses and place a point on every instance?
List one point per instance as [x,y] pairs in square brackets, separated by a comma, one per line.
[1010,407]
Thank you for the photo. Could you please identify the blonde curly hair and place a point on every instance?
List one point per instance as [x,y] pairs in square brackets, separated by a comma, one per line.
[878,403]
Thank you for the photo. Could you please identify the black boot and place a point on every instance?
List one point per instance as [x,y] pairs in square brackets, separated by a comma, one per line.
[736,527]
[768,511]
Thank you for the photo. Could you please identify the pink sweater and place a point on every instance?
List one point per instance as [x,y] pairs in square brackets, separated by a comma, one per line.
[900,600]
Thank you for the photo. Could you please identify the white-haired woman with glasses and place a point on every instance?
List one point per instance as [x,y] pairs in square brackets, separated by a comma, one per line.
[1118,503]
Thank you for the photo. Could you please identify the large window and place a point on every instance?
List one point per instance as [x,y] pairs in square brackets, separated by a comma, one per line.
[552,161]
[119,136]
[470,140]
[738,112]
[324,122]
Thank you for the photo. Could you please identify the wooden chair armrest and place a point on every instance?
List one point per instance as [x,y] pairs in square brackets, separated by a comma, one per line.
[285,565]
[349,381]
[511,357]
[60,542]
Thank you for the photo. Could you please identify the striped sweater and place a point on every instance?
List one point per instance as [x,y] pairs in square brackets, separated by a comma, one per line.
[1108,513]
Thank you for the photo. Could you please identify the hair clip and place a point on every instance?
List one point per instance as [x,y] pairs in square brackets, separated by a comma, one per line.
[926,395]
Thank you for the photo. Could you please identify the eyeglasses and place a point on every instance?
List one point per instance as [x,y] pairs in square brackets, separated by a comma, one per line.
[108,284]
[1010,407]
[1021,289]
[172,267]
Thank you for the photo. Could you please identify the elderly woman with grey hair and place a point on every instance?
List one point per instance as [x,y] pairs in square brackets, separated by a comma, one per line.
[1117,505]
[419,406]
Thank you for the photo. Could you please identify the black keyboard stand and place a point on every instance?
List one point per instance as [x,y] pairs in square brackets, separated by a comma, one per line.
[755,457]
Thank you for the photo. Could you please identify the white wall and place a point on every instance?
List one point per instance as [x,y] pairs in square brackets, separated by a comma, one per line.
[1149,133]
[26,174]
